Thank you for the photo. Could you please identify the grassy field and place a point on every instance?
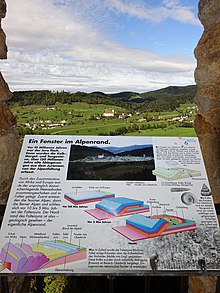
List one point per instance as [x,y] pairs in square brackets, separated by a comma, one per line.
[76,111]
[96,129]
[91,128]
[180,131]
[79,118]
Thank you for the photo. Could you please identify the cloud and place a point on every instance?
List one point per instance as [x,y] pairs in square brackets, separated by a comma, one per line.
[40,25]
[171,3]
[180,13]
[170,9]
[54,47]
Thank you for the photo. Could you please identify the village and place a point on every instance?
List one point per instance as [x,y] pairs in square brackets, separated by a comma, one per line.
[114,115]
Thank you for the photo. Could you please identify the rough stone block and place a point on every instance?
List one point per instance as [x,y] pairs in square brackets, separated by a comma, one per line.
[10,147]
[5,93]
[7,119]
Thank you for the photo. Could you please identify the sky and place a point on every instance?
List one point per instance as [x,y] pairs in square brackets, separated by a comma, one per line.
[100,45]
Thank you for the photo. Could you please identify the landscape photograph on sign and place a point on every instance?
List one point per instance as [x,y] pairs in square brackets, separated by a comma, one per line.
[134,162]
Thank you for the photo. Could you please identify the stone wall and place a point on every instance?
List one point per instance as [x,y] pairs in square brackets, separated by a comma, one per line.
[9,149]
[207,76]
[207,124]
[9,143]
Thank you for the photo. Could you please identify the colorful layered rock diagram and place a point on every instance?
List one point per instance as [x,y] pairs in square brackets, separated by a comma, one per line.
[24,258]
[175,173]
[87,196]
[139,227]
[117,207]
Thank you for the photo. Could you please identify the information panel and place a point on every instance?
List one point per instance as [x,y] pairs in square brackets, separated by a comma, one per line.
[102,205]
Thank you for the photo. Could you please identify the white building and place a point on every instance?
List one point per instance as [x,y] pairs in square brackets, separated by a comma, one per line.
[109,113]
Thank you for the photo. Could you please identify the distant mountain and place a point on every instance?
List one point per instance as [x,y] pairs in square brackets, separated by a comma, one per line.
[165,99]
[124,96]
[172,90]
[78,152]
[98,95]
[119,150]
[148,152]
[168,98]
[154,95]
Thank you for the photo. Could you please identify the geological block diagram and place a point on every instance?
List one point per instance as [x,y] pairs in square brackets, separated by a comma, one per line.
[24,258]
[139,227]
[87,196]
[175,173]
[117,207]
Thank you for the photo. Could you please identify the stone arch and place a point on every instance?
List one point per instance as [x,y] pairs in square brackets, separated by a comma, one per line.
[207,124]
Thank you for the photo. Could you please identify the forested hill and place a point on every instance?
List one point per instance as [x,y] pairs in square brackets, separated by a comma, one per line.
[159,100]
[164,99]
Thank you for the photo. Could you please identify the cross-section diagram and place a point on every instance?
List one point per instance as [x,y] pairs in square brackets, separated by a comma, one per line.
[117,207]
[24,258]
[175,173]
[87,196]
[139,227]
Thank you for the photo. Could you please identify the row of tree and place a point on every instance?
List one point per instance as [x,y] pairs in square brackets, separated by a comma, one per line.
[48,98]
[134,128]
[159,102]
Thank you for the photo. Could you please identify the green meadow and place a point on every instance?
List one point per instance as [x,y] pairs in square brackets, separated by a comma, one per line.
[87,119]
